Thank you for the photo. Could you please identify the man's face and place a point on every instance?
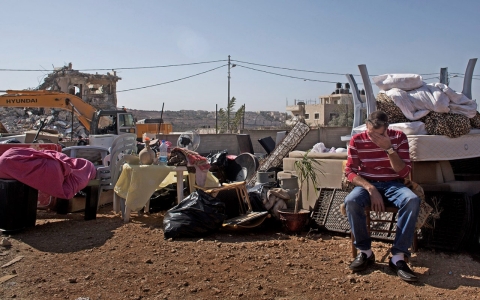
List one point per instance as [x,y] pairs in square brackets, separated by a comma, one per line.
[375,127]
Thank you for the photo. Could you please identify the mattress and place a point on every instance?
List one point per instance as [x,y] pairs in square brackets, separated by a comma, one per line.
[440,147]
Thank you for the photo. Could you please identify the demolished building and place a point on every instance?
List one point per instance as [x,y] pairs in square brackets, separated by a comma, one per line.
[98,90]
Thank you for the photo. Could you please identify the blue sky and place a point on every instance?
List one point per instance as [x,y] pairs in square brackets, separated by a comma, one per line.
[323,36]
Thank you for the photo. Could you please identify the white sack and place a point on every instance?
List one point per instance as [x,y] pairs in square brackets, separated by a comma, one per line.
[405,82]
[319,148]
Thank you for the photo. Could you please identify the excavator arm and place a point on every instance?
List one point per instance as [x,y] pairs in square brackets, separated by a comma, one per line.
[53,99]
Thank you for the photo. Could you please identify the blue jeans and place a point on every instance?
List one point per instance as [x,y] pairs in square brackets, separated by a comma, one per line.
[394,194]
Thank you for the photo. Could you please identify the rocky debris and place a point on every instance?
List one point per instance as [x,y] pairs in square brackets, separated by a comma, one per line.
[5,242]
[19,120]
[16,259]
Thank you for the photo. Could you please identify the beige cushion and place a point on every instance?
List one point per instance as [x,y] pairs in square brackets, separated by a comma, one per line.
[427,172]
[326,165]
[328,155]
[447,171]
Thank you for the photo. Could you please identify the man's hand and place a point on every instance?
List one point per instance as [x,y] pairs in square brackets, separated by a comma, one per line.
[381,140]
[376,200]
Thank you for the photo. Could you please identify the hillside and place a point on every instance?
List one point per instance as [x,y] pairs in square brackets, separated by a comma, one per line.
[195,119]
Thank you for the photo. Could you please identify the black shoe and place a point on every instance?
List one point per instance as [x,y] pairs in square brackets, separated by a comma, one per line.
[361,262]
[403,271]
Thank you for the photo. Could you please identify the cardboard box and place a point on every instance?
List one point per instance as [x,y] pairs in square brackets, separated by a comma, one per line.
[30,135]
[77,204]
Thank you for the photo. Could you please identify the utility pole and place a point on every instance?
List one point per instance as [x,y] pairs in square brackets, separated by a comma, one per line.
[243,118]
[216,118]
[228,100]
[444,76]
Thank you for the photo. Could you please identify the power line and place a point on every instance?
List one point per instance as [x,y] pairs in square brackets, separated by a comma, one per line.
[154,67]
[147,86]
[123,68]
[205,62]
[290,69]
[308,71]
[456,76]
[464,74]
[305,79]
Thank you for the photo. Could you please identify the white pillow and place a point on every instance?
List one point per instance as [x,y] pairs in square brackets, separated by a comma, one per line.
[410,128]
[404,82]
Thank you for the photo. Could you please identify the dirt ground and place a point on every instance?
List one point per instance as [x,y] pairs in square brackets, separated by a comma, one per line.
[65,257]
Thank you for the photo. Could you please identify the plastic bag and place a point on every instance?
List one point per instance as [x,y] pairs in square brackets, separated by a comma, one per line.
[257,193]
[218,164]
[163,199]
[218,159]
[197,215]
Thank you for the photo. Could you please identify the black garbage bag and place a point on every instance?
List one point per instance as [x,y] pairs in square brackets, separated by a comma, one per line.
[218,159]
[218,163]
[163,199]
[197,215]
[256,201]
[258,193]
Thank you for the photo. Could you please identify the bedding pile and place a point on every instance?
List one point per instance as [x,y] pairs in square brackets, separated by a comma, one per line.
[406,98]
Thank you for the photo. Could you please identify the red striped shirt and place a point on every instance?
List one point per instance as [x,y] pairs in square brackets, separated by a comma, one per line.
[371,162]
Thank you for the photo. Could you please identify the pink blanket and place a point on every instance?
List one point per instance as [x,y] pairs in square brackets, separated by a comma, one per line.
[48,171]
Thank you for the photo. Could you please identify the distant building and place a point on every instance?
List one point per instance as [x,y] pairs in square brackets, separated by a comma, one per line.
[338,105]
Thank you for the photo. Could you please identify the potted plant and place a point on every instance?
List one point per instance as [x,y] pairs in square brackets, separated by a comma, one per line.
[306,168]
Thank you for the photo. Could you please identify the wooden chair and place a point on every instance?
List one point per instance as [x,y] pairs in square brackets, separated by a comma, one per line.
[382,226]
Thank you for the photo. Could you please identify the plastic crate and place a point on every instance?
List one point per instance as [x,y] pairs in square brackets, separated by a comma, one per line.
[326,212]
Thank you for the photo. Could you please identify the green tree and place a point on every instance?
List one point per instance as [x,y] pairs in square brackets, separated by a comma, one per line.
[344,117]
[232,123]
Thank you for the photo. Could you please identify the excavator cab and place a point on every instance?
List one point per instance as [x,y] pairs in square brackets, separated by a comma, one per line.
[112,122]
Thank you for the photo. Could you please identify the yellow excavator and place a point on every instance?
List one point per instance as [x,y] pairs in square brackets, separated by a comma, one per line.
[94,120]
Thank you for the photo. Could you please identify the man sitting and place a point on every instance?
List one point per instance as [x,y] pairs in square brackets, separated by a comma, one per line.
[378,161]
